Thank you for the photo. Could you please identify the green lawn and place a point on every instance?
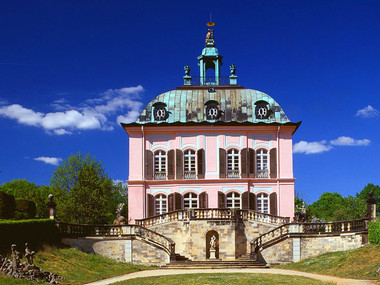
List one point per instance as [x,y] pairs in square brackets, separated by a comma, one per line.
[224,278]
[76,267]
[361,263]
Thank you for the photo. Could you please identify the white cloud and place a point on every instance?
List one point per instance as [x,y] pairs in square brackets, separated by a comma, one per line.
[367,112]
[311,147]
[350,141]
[49,160]
[94,113]
[323,146]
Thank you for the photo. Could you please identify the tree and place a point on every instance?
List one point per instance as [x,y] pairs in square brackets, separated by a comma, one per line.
[84,192]
[23,189]
[376,194]
[334,207]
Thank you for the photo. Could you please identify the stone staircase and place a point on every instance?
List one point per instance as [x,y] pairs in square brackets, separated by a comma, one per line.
[243,261]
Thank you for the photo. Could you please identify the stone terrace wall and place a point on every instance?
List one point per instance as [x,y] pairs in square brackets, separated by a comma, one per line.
[190,237]
[298,248]
[121,249]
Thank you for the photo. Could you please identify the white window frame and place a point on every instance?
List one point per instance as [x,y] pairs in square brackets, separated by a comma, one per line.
[262,203]
[160,204]
[234,198]
[190,201]
[233,163]
[190,164]
[160,164]
[262,163]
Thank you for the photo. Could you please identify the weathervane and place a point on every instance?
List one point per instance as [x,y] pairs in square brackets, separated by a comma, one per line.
[210,32]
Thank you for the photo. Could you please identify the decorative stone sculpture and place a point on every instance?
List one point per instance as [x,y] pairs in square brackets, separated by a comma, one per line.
[26,270]
[187,70]
[29,255]
[51,207]
[213,247]
[233,69]
[120,220]
[371,207]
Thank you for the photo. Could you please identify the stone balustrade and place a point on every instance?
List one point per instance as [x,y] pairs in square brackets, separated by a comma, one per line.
[212,214]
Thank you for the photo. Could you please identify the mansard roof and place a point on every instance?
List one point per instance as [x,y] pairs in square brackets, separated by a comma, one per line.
[187,105]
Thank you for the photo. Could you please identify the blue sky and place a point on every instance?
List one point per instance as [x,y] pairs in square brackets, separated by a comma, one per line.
[71,70]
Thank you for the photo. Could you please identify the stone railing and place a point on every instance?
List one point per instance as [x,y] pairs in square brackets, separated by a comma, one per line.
[305,229]
[212,214]
[83,230]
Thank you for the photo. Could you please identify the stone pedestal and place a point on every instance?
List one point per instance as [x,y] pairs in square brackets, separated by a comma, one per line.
[212,253]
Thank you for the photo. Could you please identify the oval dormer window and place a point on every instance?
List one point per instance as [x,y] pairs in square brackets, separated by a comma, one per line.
[212,110]
[261,110]
[159,112]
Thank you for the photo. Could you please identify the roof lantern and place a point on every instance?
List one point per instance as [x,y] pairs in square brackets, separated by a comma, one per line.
[210,59]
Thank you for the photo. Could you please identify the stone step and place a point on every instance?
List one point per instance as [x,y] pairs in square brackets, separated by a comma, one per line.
[216,264]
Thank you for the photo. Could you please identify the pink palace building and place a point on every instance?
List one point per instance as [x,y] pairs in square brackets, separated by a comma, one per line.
[210,144]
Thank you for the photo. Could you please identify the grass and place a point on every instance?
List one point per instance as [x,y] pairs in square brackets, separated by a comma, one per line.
[224,278]
[76,267]
[360,263]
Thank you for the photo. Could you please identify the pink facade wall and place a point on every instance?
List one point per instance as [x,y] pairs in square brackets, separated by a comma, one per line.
[211,139]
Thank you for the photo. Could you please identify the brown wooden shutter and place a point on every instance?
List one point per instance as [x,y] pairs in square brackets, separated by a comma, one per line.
[273,203]
[179,164]
[243,163]
[150,204]
[201,171]
[171,202]
[252,162]
[222,163]
[244,200]
[221,200]
[252,201]
[177,201]
[148,164]
[203,197]
[273,162]
[171,164]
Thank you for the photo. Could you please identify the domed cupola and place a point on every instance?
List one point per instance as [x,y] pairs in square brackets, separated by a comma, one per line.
[212,98]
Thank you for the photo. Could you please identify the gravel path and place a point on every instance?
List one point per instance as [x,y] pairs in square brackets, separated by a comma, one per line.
[160,272]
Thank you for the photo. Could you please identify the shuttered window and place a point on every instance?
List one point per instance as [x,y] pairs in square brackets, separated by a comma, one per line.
[233,163]
[263,203]
[189,164]
[233,200]
[160,165]
[262,163]
[161,203]
[190,201]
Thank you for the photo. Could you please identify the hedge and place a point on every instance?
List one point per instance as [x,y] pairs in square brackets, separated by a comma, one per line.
[374,232]
[34,232]
[7,205]
[25,209]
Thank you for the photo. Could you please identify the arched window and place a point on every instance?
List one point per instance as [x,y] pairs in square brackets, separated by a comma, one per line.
[263,203]
[262,163]
[233,200]
[190,201]
[233,163]
[161,204]
[189,164]
[160,165]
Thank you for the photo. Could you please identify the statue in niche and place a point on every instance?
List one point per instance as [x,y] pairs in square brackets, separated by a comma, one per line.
[213,242]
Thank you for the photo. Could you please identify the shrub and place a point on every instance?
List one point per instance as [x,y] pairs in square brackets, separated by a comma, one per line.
[34,232]
[25,209]
[374,232]
[7,205]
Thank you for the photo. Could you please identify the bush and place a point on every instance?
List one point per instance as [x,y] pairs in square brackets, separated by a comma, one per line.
[374,232]
[34,232]
[7,205]
[25,209]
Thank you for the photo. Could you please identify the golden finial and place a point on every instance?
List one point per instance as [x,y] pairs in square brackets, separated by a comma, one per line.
[211,23]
